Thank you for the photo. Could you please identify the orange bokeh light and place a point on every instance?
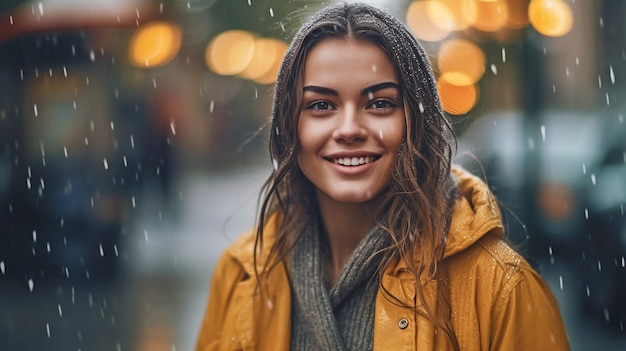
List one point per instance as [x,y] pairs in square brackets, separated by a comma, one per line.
[461,62]
[457,100]
[550,17]
[154,44]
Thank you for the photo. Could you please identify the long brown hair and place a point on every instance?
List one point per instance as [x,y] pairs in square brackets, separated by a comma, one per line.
[416,206]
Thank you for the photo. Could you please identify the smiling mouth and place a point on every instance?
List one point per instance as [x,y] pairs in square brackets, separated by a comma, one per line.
[353,161]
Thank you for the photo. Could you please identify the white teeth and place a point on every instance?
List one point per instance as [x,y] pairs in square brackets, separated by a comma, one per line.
[354,161]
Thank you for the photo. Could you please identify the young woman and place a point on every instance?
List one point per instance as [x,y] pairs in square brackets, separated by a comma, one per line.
[367,237]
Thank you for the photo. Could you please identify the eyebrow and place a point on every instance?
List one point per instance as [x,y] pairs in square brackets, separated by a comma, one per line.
[369,90]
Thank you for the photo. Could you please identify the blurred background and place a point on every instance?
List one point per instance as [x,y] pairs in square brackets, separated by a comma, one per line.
[133,146]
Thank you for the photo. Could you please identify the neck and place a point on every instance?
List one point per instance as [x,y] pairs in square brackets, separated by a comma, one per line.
[345,225]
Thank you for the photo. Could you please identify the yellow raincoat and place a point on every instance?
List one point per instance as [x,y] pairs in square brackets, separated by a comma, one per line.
[498,301]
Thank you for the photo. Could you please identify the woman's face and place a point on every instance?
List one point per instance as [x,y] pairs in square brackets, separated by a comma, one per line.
[352,120]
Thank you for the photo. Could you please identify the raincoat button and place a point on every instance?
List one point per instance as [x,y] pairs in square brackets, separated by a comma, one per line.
[403,323]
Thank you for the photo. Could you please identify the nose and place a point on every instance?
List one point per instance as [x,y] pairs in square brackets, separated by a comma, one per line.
[350,128]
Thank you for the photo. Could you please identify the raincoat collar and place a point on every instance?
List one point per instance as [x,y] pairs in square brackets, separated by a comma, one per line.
[475,213]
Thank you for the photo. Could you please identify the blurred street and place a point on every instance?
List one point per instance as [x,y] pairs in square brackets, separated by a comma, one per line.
[158,301]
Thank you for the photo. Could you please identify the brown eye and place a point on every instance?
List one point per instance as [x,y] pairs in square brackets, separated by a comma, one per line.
[320,105]
[382,105]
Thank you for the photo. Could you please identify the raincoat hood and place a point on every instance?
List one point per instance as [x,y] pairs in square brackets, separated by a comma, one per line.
[475,213]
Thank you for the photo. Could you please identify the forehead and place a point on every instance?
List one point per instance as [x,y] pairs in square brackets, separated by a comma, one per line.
[337,59]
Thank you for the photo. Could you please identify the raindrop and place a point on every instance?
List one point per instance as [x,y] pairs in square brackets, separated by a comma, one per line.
[60,310]
[48,329]
[172,127]
[561,282]
[421,107]
[494,69]
[612,74]
[133,201]
[567,71]
[211,106]
[577,61]
[608,101]
[92,57]
[599,266]
[584,169]
[35,110]
[34,236]
[101,250]
[2,267]
[132,141]
[106,163]
[586,213]
[554,88]
[65,71]
[503,55]
[599,82]
[115,250]
[543,133]
[11,19]
[249,2]
[145,234]
[40,6]
[593,179]
[65,151]
[271,12]
[153,80]
[31,285]
[588,291]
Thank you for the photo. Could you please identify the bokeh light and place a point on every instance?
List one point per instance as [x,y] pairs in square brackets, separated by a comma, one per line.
[265,62]
[552,18]
[154,44]
[457,100]
[230,52]
[460,62]
[492,16]
[246,55]
[430,20]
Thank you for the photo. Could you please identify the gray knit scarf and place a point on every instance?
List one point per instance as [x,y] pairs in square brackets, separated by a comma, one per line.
[341,318]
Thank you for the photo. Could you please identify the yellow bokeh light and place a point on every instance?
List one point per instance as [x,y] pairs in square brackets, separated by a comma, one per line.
[265,59]
[491,15]
[550,17]
[457,100]
[154,44]
[463,13]
[430,20]
[230,52]
[461,62]
[272,73]
[518,14]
